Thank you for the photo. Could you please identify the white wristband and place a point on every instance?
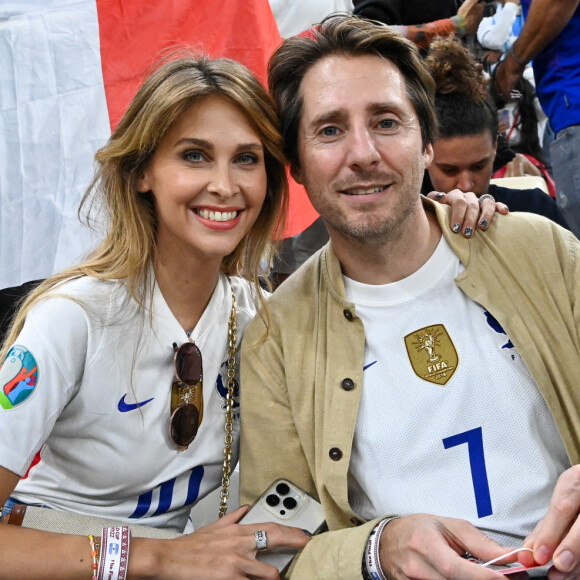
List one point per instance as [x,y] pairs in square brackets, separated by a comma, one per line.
[372,557]
[114,559]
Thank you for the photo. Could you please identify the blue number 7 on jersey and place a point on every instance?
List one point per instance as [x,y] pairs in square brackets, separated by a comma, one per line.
[474,440]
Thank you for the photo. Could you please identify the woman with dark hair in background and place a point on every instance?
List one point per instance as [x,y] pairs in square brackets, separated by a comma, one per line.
[465,150]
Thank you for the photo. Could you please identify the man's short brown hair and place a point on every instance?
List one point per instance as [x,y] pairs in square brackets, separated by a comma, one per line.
[349,36]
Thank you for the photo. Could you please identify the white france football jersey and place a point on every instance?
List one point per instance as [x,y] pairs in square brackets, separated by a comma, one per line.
[96,399]
[450,420]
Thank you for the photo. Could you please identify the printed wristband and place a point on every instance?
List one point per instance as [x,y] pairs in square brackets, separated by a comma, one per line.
[114,559]
[372,562]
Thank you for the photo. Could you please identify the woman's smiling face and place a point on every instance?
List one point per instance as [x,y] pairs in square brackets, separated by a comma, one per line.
[208,179]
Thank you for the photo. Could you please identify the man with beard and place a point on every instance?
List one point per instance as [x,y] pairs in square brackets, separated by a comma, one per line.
[422,385]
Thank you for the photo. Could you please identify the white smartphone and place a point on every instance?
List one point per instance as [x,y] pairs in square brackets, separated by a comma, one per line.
[285,503]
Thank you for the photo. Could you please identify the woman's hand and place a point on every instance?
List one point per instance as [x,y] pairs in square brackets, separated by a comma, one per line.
[520,166]
[221,550]
[467,213]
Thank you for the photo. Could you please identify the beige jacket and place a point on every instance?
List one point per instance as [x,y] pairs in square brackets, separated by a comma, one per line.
[301,386]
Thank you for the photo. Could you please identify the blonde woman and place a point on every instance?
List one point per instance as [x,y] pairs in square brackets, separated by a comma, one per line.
[116,370]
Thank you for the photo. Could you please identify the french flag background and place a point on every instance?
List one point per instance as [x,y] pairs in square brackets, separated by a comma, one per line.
[68,69]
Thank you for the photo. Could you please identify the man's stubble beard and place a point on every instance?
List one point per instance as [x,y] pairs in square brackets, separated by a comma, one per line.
[370,229]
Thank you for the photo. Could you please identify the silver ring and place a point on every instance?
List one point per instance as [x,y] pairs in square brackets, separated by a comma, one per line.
[486,196]
[261,540]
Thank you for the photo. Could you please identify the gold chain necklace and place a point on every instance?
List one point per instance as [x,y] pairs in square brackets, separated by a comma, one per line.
[229,423]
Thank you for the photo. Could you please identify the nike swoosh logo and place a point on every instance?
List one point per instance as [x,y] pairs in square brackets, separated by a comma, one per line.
[124,407]
[369,365]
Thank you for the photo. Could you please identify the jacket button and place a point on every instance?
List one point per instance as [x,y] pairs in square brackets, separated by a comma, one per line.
[355,522]
[347,384]
[335,454]
[348,314]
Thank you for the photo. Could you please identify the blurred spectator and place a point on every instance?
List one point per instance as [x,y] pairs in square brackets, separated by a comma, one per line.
[499,31]
[293,252]
[405,12]
[551,37]
[465,149]
[521,120]
[522,123]
[465,21]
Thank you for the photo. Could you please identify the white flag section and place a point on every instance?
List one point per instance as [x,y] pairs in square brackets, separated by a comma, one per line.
[295,16]
[53,117]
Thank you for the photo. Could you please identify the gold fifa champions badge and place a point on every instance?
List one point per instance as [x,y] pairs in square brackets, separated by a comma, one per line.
[432,353]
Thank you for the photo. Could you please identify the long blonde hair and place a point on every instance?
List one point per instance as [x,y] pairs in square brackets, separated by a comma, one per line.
[127,249]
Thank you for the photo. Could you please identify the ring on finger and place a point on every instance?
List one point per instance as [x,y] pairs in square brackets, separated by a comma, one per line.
[486,196]
[261,540]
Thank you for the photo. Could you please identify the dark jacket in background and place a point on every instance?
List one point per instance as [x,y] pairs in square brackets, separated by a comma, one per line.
[528,200]
[406,12]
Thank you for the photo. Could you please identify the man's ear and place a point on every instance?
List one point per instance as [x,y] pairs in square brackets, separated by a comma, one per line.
[296,174]
[428,155]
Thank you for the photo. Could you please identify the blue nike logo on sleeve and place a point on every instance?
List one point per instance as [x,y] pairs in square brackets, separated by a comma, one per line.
[124,407]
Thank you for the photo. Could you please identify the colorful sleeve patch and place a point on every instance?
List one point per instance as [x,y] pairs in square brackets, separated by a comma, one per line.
[18,377]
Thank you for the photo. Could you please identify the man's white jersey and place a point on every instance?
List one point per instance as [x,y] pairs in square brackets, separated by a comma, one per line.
[450,420]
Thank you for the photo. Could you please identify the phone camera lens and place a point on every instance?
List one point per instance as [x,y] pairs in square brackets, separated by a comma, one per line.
[272,500]
[290,503]
[282,489]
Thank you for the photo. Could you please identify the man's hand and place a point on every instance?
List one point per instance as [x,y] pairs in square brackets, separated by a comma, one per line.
[423,546]
[506,75]
[472,13]
[557,536]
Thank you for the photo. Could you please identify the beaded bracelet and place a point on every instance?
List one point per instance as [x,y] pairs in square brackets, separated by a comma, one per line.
[94,555]
[114,559]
